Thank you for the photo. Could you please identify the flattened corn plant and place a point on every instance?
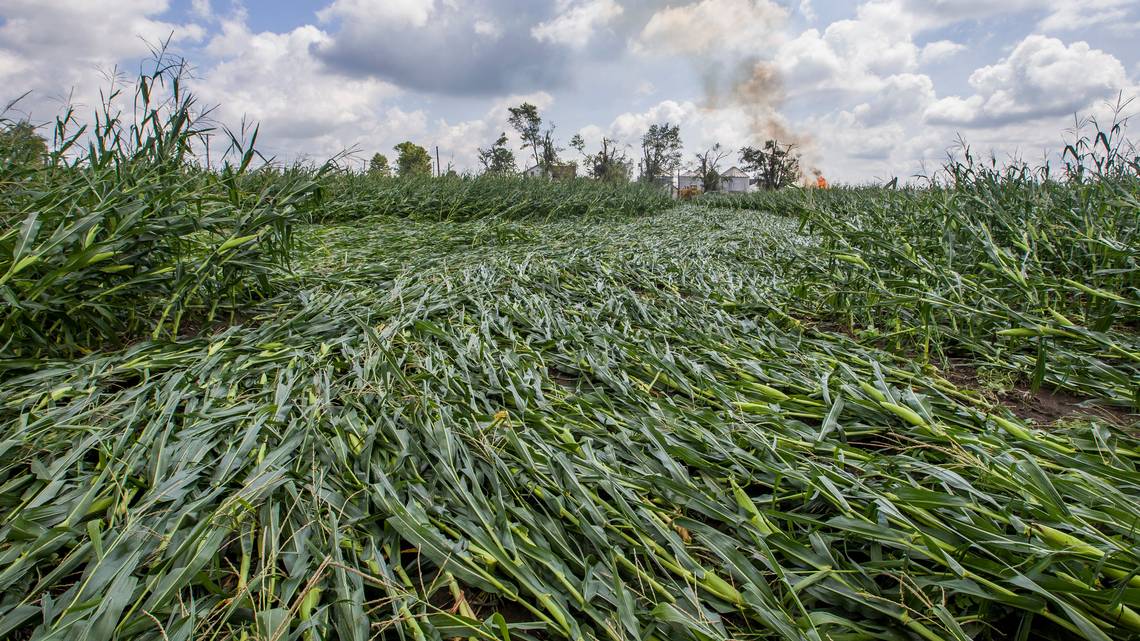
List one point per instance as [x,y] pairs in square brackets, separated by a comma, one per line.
[1003,267]
[603,428]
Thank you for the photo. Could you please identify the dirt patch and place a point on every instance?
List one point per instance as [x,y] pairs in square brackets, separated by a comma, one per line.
[1043,407]
[961,375]
[1046,407]
[567,380]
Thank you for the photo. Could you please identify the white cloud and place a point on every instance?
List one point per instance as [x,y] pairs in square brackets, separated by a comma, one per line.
[62,50]
[1041,77]
[807,11]
[714,27]
[850,55]
[1069,15]
[315,112]
[859,86]
[201,8]
[733,126]
[394,12]
[901,96]
[459,142]
[630,126]
[940,50]
[488,28]
[922,15]
[577,23]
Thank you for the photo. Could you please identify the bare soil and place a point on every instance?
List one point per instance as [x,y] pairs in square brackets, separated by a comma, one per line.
[1045,406]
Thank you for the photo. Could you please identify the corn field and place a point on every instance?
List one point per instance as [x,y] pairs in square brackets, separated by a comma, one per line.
[263,404]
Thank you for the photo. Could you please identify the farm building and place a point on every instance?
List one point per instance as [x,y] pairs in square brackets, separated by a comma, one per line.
[685,181]
[734,180]
[564,171]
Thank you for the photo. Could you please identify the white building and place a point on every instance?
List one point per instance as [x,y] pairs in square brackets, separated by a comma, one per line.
[734,180]
[563,171]
[689,180]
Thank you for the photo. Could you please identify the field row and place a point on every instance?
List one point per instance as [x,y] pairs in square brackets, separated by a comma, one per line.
[604,428]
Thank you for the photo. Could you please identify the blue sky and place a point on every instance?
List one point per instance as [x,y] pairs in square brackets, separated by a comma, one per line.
[869,90]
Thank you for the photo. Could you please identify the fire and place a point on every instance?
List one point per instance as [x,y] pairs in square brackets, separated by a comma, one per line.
[821,182]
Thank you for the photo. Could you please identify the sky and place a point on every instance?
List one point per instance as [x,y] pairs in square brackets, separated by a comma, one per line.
[867,90]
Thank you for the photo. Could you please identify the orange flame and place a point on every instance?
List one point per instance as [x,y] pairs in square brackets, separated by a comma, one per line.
[821,182]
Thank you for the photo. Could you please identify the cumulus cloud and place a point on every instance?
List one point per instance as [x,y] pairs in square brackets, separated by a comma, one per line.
[1069,15]
[807,11]
[630,126]
[396,13]
[53,47]
[940,50]
[575,25]
[363,74]
[1041,77]
[915,16]
[316,109]
[443,47]
[320,113]
[901,96]
[1055,15]
[702,126]
[460,142]
[488,28]
[716,27]
[201,8]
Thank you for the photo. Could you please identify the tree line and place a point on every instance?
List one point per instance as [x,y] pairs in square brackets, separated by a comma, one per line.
[771,166]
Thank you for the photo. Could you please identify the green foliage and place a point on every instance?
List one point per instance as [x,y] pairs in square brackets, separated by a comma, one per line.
[528,124]
[708,167]
[587,428]
[498,158]
[488,196]
[660,151]
[610,164]
[413,160]
[378,166]
[1005,266]
[129,237]
[21,145]
[774,165]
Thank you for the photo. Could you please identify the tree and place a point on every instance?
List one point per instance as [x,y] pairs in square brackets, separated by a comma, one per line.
[21,145]
[550,150]
[774,165]
[526,121]
[498,159]
[378,166]
[707,164]
[610,164]
[660,151]
[413,160]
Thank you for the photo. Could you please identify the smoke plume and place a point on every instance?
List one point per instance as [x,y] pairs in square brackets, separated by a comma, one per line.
[755,88]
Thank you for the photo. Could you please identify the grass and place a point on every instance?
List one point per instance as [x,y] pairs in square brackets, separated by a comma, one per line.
[599,422]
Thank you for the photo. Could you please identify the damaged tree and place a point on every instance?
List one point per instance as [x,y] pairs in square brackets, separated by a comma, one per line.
[773,165]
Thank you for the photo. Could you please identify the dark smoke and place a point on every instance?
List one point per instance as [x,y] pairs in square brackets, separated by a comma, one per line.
[757,88]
